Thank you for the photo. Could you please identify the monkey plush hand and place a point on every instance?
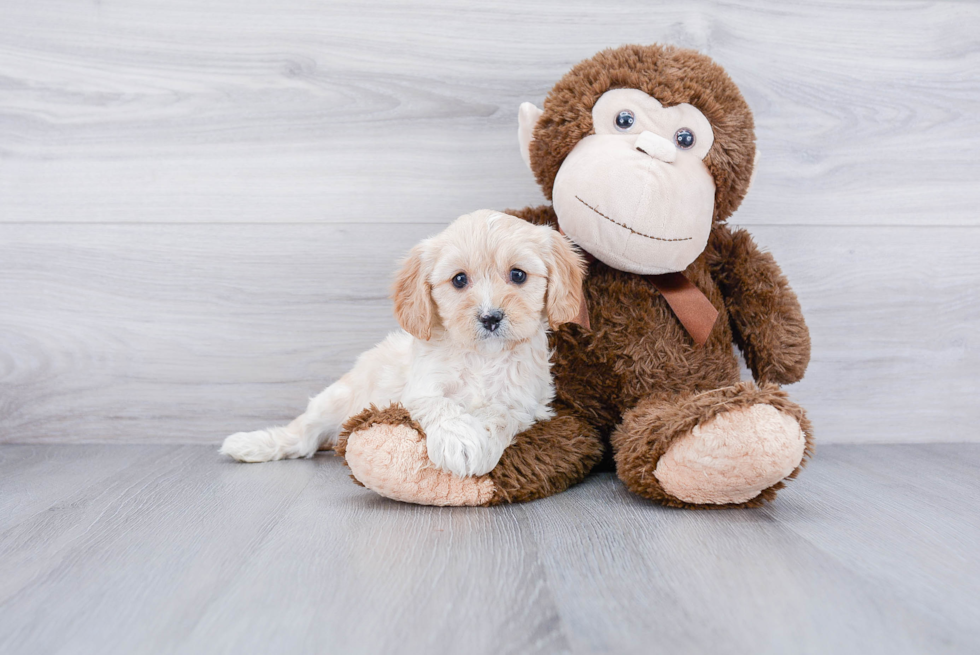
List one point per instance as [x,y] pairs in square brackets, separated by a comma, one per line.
[645,152]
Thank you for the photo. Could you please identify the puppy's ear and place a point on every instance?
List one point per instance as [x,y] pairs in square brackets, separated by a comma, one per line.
[412,294]
[565,276]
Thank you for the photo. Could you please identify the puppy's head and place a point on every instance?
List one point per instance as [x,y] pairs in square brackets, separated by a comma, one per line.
[489,276]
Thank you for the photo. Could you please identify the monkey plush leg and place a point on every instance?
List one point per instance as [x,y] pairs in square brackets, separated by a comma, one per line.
[546,459]
[731,447]
[385,450]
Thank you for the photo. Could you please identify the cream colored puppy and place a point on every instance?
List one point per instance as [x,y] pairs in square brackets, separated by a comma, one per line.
[471,364]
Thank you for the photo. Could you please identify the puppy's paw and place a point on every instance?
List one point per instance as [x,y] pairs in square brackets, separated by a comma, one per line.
[258,446]
[461,446]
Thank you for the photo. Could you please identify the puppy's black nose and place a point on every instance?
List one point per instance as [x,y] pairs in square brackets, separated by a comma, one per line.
[491,320]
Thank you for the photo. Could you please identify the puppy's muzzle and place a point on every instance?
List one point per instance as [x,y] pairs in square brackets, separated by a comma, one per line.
[491,320]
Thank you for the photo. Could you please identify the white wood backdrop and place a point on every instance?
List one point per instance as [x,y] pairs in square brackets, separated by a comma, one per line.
[201,202]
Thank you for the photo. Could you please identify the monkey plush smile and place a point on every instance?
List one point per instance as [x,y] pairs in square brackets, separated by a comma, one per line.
[627,227]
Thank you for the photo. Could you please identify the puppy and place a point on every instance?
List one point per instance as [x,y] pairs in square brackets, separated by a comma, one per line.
[471,364]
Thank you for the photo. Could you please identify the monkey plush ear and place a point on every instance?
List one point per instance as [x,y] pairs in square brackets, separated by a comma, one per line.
[527,118]
[412,294]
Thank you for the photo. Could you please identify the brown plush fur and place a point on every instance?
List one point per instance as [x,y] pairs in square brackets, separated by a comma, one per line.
[546,459]
[393,414]
[755,289]
[637,381]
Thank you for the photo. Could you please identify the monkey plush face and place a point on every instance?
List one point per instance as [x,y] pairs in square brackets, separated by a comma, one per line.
[636,194]
[641,149]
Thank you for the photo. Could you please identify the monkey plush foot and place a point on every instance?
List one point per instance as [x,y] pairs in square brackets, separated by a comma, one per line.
[729,447]
[733,457]
[386,453]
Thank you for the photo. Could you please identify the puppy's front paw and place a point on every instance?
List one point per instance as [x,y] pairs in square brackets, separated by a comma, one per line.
[461,446]
[258,446]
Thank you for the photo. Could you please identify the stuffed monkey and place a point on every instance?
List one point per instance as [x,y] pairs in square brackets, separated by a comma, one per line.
[644,152]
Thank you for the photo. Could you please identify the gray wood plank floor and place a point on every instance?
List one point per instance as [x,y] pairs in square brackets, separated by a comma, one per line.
[164,548]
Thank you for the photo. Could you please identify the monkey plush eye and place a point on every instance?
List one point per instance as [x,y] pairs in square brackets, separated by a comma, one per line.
[459,280]
[625,120]
[684,138]
[517,276]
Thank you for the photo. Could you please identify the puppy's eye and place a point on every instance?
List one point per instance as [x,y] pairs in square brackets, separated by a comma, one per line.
[459,280]
[517,276]
[625,120]
[684,138]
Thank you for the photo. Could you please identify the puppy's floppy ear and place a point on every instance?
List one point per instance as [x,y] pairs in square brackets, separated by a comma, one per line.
[412,293]
[565,275]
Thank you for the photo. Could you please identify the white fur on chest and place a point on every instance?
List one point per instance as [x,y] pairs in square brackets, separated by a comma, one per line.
[472,400]
[510,377]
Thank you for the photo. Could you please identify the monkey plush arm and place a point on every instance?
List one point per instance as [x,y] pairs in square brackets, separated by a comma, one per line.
[766,319]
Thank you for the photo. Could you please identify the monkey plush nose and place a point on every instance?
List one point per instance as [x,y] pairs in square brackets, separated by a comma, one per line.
[491,320]
[656,146]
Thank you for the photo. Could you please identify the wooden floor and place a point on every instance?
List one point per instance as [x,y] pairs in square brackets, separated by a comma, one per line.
[158,549]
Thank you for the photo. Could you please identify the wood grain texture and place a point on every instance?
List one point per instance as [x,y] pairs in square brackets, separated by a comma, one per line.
[182,334]
[21,469]
[200,205]
[872,551]
[302,111]
[845,561]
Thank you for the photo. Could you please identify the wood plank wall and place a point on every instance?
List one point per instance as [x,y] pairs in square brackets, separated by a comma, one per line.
[201,202]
